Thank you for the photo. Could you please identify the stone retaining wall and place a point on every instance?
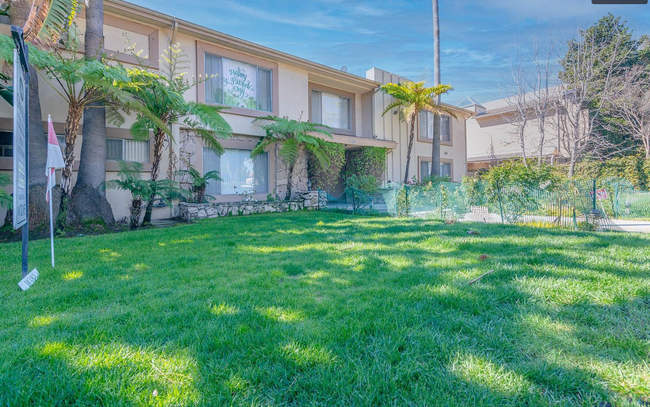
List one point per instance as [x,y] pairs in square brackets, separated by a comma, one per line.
[310,201]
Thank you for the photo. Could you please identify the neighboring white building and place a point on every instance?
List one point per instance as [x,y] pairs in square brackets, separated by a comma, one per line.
[493,137]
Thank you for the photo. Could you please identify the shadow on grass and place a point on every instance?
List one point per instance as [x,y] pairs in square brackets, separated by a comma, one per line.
[335,310]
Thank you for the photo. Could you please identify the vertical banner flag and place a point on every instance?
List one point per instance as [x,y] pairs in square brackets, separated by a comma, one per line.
[54,161]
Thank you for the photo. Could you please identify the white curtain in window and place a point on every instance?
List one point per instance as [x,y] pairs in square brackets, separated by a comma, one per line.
[136,151]
[445,131]
[345,113]
[211,162]
[239,172]
[264,86]
[425,169]
[445,170]
[316,108]
[113,149]
[333,110]
[213,86]
[426,126]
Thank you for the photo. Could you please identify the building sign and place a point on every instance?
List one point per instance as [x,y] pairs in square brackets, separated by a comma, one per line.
[20,207]
[239,84]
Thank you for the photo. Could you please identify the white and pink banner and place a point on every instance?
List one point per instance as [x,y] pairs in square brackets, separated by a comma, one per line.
[54,161]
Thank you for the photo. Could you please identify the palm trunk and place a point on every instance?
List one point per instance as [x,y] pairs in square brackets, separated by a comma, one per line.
[88,200]
[158,144]
[410,148]
[38,209]
[72,125]
[435,142]
[136,211]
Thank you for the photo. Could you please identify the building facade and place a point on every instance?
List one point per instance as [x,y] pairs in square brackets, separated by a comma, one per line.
[252,81]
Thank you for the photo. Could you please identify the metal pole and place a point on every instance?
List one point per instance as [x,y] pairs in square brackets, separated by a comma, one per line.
[25,228]
[500,203]
[594,198]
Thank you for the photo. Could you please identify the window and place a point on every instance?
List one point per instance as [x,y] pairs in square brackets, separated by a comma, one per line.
[240,174]
[426,126]
[425,169]
[127,150]
[445,170]
[238,84]
[330,110]
[6,144]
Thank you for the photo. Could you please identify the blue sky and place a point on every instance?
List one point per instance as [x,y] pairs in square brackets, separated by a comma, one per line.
[479,37]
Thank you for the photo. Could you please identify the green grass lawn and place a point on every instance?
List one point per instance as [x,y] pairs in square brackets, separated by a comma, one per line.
[329,309]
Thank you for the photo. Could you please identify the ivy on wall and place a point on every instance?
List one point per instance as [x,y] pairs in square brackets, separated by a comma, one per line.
[327,177]
[367,161]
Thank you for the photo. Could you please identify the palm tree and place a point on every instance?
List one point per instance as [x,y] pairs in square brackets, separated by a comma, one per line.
[412,98]
[162,95]
[42,22]
[141,190]
[80,83]
[88,199]
[293,140]
[435,142]
[199,182]
[131,181]
[6,200]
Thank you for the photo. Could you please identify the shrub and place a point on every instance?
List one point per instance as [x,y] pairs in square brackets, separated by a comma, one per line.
[326,177]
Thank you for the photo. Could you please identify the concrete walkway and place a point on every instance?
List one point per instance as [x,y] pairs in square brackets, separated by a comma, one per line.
[639,226]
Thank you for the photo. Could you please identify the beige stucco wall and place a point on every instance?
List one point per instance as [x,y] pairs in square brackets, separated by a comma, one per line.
[390,127]
[291,84]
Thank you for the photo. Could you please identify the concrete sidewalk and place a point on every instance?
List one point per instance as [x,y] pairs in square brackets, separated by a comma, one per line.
[639,226]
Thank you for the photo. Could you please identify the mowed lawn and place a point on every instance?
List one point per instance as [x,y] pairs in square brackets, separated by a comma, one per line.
[329,309]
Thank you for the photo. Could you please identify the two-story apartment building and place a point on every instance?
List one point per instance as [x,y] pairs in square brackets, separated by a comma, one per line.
[253,81]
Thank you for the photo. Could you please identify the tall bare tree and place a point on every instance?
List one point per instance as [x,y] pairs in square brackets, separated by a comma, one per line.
[543,93]
[520,112]
[435,141]
[630,104]
[589,70]
[88,199]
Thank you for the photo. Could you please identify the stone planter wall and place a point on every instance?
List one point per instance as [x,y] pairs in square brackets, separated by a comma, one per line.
[188,212]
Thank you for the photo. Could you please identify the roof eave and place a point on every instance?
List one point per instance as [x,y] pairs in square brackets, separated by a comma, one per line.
[159,19]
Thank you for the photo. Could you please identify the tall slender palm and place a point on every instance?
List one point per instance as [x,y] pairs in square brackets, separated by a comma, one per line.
[293,139]
[412,98]
[435,142]
[88,198]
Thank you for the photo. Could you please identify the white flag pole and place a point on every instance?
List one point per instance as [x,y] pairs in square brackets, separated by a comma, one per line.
[51,225]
